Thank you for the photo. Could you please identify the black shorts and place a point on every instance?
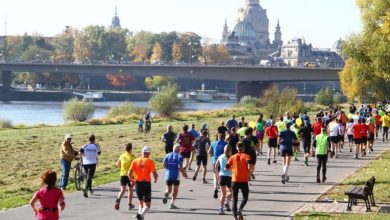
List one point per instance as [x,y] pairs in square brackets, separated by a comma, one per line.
[185,154]
[272,142]
[378,127]
[144,191]
[341,138]
[357,140]
[364,140]
[350,138]
[125,181]
[334,139]
[201,160]
[371,137]
[172,182]
[306,145]
[225,181]
[295,144]
[286,152]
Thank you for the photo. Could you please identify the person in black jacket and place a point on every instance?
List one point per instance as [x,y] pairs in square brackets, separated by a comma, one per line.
[306,134]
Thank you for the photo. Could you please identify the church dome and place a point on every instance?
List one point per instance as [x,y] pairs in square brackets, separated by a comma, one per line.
[337,45]
[115,22]
[245,32]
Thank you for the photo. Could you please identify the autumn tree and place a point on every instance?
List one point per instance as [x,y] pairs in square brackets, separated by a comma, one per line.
[215,54]
[155,82]
[158,53]
[119,80]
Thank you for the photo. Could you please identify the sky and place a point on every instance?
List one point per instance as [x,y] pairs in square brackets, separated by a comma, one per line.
[320,22]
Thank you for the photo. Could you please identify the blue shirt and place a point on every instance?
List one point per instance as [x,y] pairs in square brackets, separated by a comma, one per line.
[173,162]
[287,137]
[222,164]
[218,147]
[194,133]
[232,123]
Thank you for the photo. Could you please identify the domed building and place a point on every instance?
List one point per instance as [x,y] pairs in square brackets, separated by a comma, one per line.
[337,46]
[115,22]
[249,41]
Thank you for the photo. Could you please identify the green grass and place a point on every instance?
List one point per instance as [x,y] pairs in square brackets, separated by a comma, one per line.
[379,168]
[336,216]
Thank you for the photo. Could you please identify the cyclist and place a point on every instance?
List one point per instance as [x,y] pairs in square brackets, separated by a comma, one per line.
[124,163]
[67,154]
[168,138]
[140,170]
[89,153]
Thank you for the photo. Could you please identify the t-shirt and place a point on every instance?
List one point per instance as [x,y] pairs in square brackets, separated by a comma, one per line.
[173,162]
[233,139]
[201,144]
[250,146]
[222,129]
[49,199]
[306,132]
[126,159]
[350,128]
[218,147]
[232,123]
[371,128]
[322,144]
[271,131]
[142,167]
[169,138]
[238,163]
[194,133]
[91,152]
[242,131]
[186,140]
[222,164]
[385,121]
[281,126]
[317,126]
[357,131]
[287,139]
[364,128]
[377,119]
[260,126]
[334,129]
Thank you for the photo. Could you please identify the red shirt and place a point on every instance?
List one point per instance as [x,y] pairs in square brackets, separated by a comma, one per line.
[357,131]
[317,126]
[364,130]
[377,119]
[186,140]
[371,128]
[271,131]
[49,199]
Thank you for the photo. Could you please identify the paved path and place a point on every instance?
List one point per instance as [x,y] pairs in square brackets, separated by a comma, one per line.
[268,199]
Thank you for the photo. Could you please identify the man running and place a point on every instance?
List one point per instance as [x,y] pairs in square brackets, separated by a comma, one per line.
[260,126]
[90,154]
[357,137]
[168,138]
[322,154]
[215,151]
[272,134]
[185,139]
[306,132]
[371,134]
[232,123]
[385,125]
[201,146]
[241,167]
[250,143]
[123,164]
[286,139]
[232,140]
[334,131]
[140,170]
[173,164]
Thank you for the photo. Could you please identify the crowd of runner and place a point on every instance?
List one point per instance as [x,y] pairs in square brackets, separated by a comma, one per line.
[233,148]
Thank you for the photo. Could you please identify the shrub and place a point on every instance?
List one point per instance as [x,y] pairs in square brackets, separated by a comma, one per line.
[339,98]
[275,101]
[124,109]
[324,97]
[249,101]
[165,102]
[78,110]
[5,123]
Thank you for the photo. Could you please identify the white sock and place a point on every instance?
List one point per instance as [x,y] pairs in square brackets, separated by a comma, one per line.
[286,170]
[139,210]
[172,202]
[144,211]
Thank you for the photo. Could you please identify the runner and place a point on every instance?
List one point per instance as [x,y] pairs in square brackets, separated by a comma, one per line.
[322,154]
[250,143]
[242,130]
[364,128]
[232,123]
[140,170]
[215,151]
[260,126]
[242,122]
[195,134]
[378,125]
[295,128]
[385,125]
[173,164]
[225,179]
[371,134]
[281,127]
[334,131]
[317,127]
[286,139]
[193,131]
[306,132]
[168,138]
[241,167]
[233,139]
[350,134]
[124,163]
[272,134]
[140,125]
[201,146]
[341,134]
[357,137]
[185,139]
[222,129]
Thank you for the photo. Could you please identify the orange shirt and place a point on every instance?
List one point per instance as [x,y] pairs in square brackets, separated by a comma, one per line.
[142,167]
[377,119]
[239,165]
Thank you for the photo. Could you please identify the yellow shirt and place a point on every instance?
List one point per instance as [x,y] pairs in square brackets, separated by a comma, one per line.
[385,121]
[126,159]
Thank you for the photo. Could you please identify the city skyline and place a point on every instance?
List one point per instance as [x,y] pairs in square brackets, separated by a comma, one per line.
[320,22]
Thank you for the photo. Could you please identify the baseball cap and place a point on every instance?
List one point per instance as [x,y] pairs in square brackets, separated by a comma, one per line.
[146,149]
[68,136]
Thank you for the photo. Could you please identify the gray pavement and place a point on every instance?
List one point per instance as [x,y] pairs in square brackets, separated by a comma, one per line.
[268,198]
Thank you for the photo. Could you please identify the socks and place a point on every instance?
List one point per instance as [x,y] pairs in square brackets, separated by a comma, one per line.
[173,202]
[139,210]
[286,170]
[144,211]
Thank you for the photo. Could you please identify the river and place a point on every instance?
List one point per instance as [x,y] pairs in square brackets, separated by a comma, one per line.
[31,113]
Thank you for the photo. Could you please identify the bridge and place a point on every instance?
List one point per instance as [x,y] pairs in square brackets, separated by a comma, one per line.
[250,80]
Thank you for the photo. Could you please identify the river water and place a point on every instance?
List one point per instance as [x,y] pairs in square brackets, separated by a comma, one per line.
[31,113]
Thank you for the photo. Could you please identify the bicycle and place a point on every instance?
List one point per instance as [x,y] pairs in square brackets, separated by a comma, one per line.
[79,175]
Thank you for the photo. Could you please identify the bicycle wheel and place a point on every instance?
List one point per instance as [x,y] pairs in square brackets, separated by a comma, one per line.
[79,177]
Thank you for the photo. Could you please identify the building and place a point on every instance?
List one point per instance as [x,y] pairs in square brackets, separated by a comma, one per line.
[249,42]
[297,53]
[115,22]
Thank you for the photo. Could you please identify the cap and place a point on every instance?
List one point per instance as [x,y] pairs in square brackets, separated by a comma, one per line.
[68,136]
[146,149]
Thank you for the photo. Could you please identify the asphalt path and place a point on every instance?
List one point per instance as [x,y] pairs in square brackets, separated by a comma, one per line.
[268,198]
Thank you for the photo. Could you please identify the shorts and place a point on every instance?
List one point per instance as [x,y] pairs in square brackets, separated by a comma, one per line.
[378,127]
[201,160]
[334,139]
[296,144]
[350,138]
[286,152]
[172,182]
[260,135]
[341,138]
[125,181]
[185,154]
[371,137]
[306,145]
[144,191]
[357,140]
[272,142]
[225,181]
[364,140]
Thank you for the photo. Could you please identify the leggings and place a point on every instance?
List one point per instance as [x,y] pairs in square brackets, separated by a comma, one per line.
[245,194]
[321,161]
[385,132]
[90,171]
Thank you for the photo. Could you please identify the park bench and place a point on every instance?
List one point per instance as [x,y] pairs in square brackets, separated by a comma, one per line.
[365,193]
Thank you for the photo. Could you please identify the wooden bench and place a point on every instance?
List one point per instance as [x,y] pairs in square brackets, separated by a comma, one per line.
[365,193]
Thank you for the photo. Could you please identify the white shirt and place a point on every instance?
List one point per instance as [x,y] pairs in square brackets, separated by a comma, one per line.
[91,152]
[334,129]
[349,128]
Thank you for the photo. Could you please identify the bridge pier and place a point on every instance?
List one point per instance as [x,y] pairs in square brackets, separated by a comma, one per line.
[6,81]
[250,88]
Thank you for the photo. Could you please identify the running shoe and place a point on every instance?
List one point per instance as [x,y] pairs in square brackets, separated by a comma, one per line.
[194,178]
[269,161]
[216,194]
[227,206]
[296,159]
[165,199]
[306,163]
[318,179]
[90,191]
[323,179]
[172,206]
[240,216]
[139,217]
[189,168]
[117,202]
[85,193]
[253,176]
[283,179]
[356,156]
[287,178]
[221,212]
[205,181]
[350,150]
[274,161]
[131,206]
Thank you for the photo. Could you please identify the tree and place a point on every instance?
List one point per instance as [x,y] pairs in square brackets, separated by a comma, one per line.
[177,51]
[366,74]
[158,53]
[64,45]
[119,80]
[166,101]
[215,54]
[324,97]
[81,47]
[155,82]
[140,53]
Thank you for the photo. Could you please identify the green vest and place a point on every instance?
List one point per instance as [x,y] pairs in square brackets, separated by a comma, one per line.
[322,144]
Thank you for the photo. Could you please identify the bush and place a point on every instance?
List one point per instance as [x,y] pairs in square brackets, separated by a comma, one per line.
[124,109]
[165,102]
[275,101]
[78,110]
[249,101]
[5,123]
[324,97]
[339,98]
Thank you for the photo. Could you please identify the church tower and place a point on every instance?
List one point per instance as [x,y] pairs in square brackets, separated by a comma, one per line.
[115,22]
[277,43]
[225,33]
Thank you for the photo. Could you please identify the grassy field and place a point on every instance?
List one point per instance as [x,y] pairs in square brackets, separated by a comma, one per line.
[379,168]
[27,152]
[325,216]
